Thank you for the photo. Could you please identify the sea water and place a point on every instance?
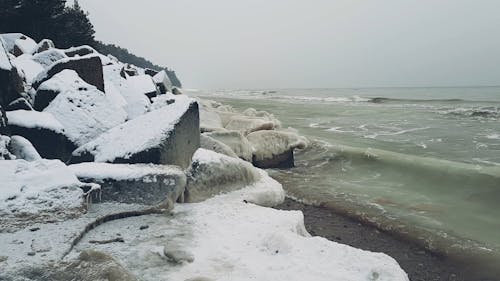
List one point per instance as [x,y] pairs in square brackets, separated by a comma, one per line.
[423,163]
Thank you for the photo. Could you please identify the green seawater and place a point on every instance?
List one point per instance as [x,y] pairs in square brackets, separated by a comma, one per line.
[421,162]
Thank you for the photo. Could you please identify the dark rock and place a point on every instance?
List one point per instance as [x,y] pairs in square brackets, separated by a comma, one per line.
[281,161]
[163,82]
[133,184]
[144,227]
[44,45]
[79,51]
[3,122]
[150,72]
[11,81]
[43,98]
[176,91]
[50,143]
[19,104]
[88,68]
[173,146]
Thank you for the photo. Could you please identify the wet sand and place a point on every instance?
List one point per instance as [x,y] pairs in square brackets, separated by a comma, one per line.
[419,264]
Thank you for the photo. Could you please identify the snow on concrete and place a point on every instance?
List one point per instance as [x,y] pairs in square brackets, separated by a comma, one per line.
[267,144]
[30,68]
[23,149]
[4,57]
[137,135]
[137,103]
[37,187]
[35,119]
[83,110]
[122,172]
[48,57]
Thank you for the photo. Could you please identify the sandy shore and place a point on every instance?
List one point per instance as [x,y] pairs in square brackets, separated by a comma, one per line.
[420,264]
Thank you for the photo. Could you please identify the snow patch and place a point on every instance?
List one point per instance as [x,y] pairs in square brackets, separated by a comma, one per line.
[30,68]
[102,171]
[34,119]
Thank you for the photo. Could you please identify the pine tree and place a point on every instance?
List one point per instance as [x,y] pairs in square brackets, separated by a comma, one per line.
[76,28]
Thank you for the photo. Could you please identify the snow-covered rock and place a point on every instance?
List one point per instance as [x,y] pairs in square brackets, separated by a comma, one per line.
[30,68]
[274,149]
[18,43]
[89,68]
[134,183]
[44,131]
[23,149]
[169,135]
[48,57]
[236,141]
[209,143]
[4,149]
[136,104]
[11,80]
[37,191]
[212,173]
[81,108]
[163,82]
[44,45]
[143,84]
[80,51]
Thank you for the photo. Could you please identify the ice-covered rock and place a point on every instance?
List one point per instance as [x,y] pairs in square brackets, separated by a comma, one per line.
[209,143]
[212,173]
[48,57]
[44,131]
[81,108]
[37,191]
[23,149]
[210,121]
[236,141]
[163,82]
[169,135]
[134,183]
[136,104]
[18,43]
[30,67]
[89,68]
[44,45]
[249,124]
[143,84]
[274,149]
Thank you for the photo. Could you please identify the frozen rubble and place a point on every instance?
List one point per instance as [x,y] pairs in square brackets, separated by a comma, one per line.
[141,200]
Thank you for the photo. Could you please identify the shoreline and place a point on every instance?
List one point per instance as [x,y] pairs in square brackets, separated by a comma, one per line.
[420,264]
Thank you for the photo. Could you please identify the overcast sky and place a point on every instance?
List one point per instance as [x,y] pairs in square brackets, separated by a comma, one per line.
[316,43]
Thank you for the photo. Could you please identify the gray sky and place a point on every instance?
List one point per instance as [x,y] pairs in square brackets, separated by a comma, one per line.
[315,43]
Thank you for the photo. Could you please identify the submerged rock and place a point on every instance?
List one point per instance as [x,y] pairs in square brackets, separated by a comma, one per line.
[138,183]
[274,149]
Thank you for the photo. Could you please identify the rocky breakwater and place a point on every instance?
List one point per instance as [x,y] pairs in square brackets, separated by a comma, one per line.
[103,177]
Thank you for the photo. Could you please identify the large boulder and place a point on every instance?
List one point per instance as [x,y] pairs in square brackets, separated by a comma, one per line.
[274,149]
[169,135]
[43,131]
[163,82]
[89,68]
[212,144]
[48,57]
[37,191]
[11,80]
[134,183]
[143,85]
[19,44]
[236,141]
[83,110]
[212,173]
